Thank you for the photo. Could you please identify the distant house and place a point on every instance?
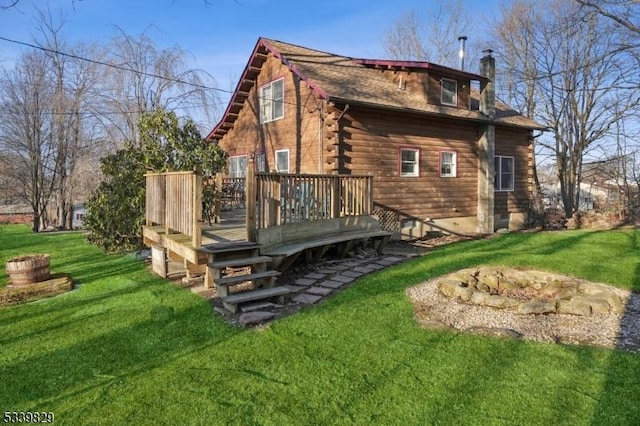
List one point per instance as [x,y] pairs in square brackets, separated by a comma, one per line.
[590,196]
[16,214]
[602,188]
[445,155]
[78,212]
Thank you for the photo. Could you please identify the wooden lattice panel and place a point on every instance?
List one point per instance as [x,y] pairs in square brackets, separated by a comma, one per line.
[389,219]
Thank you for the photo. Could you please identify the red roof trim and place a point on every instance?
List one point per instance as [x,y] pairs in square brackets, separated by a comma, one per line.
[237,97]
[418,65]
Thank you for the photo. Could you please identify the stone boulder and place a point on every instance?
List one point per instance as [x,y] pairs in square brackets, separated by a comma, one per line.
[529,292]
[573,307]
[455,289]
[536,307]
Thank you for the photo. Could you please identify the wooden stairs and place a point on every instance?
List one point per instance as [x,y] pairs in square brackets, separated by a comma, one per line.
[240,264]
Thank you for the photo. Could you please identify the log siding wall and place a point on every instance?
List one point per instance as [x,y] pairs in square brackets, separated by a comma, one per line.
[299,131]
[372,140]
[515,143]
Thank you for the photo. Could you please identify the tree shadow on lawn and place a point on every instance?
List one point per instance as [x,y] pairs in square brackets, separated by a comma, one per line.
[623,376]
[623,368]
[87,271]
[69,371]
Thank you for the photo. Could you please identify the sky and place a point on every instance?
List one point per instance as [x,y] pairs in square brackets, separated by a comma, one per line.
[221,34]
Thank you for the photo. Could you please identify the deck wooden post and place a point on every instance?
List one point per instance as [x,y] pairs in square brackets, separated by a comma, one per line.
[336,204]
[250,202]
[217,203]
[369,193]
[196,227]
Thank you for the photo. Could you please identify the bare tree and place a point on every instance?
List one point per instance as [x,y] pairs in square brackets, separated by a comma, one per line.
[431,36]
[72,80]
[25,133]
[8,4]
[145,78]
[625,13]
[566,66]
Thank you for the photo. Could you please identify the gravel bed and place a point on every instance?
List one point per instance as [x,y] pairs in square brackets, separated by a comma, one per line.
[611,330]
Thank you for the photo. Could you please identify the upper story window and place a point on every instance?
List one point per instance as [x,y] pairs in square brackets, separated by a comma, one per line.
[447,164]
[449,92]
[237,166]
[272,101]
[282,161]
[409,162]
[504,176]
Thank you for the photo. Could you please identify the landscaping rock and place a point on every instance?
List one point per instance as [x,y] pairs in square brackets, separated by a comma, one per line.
[500,302]
[536,307]
[448,287]
[614,302]
[463,293]
[256,317]
[483,288]
[433,323]
[479,298]
[566,293]
[495,332]
[573,307]
[591,288]
[464,276]
[598,305]
[550,289]
[529,292]
[490,281]
[508,284]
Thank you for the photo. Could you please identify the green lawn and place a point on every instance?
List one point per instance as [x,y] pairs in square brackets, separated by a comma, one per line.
[127,347]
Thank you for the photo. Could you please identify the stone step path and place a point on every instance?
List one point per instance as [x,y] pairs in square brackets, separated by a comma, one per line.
[312,288]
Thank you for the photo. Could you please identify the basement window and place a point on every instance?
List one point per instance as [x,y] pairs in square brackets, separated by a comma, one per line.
[447,164]
[409,161]
[272,101]
[504,169]
[449,92]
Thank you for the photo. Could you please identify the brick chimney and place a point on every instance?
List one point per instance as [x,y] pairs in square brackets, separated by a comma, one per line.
[487,147]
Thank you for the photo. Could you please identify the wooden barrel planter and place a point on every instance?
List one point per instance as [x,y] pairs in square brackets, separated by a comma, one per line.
[28,269]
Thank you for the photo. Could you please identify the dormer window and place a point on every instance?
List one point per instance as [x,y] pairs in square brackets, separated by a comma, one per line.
[272,101]
[449,92]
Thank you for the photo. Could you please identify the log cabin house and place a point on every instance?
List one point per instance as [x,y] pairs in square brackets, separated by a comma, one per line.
[445,155]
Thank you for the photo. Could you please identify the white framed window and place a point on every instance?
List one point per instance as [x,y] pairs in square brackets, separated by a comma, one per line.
[409,162]
[449,92]
[272,101]
[237,166]
[448,162]
[282,161]
[505,173]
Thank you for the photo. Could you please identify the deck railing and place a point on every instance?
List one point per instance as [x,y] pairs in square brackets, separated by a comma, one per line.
[281,199]
[174,200]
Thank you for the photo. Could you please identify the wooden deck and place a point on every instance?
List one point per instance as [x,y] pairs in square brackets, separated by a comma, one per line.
[285,214]
[231,229]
